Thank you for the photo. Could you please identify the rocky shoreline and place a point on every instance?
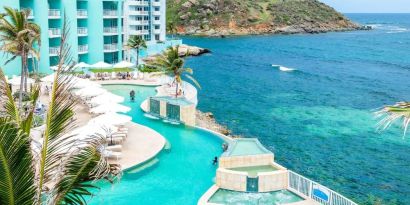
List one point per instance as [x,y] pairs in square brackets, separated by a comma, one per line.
[206,120]
[266,30]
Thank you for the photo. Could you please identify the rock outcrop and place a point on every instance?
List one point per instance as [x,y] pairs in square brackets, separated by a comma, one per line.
[243,17]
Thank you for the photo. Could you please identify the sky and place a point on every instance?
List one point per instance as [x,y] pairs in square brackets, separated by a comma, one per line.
[370,6]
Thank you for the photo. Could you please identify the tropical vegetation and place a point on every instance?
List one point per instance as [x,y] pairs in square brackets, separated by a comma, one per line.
[137,43]
[55,167]
[19,37]
[172,64]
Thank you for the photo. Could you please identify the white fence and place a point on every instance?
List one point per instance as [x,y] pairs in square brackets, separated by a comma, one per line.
[316,191]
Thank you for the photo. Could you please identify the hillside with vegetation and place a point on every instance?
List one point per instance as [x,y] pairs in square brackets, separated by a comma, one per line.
[240,17]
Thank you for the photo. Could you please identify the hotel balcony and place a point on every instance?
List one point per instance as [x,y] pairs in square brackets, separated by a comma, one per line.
[54,14]
[139,13]
[108,13]
[156,13]
[139,32]
[82,13]
[138,3]
[54,32]
[138,23]
[110,30]
[82,31]
[157,22]
[157,31]
[156,3]
[111,47]
[82,49]
[54,51]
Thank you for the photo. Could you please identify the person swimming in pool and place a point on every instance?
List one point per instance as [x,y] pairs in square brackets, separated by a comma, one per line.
[132,95]
[215,161]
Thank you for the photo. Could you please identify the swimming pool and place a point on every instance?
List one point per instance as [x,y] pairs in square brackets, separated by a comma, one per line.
[245,147]
[176,176]
[223,196]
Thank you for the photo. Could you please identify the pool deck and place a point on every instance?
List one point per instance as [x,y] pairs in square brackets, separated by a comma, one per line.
[142,142]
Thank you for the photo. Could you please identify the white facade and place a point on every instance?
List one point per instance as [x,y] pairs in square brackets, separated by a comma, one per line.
[145,18]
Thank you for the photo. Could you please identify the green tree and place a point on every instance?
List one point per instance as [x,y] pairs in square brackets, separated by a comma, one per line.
[171,28]
[392,113]
[59,171]
[172,64]
[18,37]
[136,42]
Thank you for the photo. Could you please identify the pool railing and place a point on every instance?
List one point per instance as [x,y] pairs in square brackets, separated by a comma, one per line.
[313,190]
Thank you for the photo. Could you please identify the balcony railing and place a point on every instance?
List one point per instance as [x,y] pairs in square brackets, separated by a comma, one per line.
[110,47]
[156,3]
[54,32]
[139,32]
[136,22]
[140,13]
[82,31]
[157,31]
[82,13]
[82,49]
[110,13]
[54,51]
[110,30]
[156,13]
[138,3]
[157,22]
[54,13]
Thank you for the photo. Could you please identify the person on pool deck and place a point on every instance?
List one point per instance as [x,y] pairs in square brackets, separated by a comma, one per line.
[132,95]
[224,147]
[215,161]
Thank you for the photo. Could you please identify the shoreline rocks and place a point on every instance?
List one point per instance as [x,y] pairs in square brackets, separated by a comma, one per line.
[207,120]
[186,50]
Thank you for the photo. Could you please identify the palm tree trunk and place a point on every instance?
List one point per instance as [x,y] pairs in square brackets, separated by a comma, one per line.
[25,62]
[21,84]
[176,91]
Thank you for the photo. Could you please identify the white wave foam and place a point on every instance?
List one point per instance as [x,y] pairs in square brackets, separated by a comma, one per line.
[283,68]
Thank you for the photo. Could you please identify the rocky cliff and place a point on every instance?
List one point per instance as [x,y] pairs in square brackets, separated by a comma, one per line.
[241,17]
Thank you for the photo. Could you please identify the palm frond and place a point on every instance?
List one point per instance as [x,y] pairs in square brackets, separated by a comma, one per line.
[390,114]
[7,101]
[16,171]
[84,164]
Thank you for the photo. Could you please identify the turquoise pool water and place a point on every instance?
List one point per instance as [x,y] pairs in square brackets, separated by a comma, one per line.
[243,147]
[177,176]
[223,196]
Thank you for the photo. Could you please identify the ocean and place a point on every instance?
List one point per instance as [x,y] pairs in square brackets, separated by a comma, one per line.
[318,119]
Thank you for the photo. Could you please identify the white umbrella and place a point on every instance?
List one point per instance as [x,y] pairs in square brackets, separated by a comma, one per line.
[124,64]
[110,119]
[90,91]
[16,81]
[49,78]
[82,65]
[84,83]
[109,108]
[101,64]
[106,98]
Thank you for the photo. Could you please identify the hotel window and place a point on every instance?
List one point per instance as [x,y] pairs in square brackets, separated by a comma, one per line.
[156,18]
[156,37]
[156,27]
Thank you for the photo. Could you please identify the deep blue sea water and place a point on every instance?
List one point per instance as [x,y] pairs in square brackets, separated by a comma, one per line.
[319,119]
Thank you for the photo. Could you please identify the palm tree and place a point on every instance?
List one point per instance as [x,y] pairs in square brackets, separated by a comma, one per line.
[392,113]
[18,38]
[173,65]
[136,42]
[61,170]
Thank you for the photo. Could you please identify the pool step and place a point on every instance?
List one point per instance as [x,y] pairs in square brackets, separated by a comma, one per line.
[144,166]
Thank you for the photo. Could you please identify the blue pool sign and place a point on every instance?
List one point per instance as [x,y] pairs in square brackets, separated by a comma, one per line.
[321,192]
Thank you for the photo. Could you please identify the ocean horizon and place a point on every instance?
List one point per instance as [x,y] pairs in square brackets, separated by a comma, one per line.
[317,119]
